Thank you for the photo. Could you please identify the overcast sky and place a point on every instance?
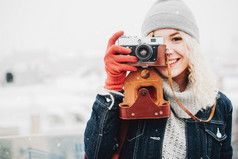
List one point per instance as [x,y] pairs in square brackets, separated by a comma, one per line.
[77,26]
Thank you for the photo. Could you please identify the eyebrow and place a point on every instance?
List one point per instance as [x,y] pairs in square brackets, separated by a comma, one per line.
[174,34]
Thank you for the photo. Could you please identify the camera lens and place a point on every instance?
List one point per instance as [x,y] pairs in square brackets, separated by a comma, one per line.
[144,52]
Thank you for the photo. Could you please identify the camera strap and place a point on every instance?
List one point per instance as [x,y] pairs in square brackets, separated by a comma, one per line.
[180,104]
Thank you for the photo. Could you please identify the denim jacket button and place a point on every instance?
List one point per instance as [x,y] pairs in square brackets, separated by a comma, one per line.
[219,135]
[108,99]
[115,147]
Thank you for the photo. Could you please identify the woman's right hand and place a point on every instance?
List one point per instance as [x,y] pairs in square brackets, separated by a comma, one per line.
[115,64]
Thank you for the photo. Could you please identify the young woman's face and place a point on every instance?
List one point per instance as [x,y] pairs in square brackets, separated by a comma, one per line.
[177,52]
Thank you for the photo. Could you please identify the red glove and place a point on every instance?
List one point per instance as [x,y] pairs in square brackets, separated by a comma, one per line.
[115,64]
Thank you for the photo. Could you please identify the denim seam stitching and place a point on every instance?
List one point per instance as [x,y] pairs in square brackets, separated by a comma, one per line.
[101,103]
[100,134]
[137,140]
[139,134]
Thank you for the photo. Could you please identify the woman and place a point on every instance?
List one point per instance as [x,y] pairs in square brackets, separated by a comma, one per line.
[178,136]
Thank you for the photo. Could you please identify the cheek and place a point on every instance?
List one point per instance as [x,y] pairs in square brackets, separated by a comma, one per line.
[180,47]
[182,51]
[186,58]
[184,64]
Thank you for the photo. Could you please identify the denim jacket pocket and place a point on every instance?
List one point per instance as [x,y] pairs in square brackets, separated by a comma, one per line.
[215,133]
[219,135]
[216,130]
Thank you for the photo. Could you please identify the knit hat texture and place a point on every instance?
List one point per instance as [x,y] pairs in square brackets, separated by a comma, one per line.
[173,14]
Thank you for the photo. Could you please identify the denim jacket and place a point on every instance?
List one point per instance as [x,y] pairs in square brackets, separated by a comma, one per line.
[210,140]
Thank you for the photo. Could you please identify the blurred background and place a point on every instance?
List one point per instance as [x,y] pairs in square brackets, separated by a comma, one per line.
[51,64]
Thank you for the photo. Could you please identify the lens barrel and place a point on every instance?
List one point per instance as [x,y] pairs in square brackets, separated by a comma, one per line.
[143,52]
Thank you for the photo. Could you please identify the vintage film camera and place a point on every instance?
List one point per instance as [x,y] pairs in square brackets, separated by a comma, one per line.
[148,50]
[143,92]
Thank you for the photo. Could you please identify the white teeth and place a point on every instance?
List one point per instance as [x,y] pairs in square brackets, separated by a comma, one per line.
[171,62]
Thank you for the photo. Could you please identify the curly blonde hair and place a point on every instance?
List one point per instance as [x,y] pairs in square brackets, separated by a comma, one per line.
[200,75]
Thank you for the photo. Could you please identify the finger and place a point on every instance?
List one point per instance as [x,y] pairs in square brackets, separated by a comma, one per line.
[126,67]
[119,49]
[114,38]
[125,58]
[112,70]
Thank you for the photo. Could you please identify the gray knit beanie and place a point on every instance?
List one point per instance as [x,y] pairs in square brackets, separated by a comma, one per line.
[173,14]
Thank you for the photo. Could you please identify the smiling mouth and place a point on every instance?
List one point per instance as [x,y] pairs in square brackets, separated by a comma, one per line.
[172,61]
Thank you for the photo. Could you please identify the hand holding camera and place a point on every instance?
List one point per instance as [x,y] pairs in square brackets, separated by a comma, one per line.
[115,63]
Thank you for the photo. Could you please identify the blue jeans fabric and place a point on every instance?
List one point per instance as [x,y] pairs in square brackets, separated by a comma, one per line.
[210,140]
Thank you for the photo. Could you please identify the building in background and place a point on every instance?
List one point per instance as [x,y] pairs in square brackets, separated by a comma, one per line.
[49,94]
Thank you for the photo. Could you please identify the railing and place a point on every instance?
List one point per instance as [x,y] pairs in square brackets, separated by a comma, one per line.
[42,147]
[56,147]
[33,153]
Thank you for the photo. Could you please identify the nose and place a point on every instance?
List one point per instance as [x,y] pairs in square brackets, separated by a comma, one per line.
[169,49]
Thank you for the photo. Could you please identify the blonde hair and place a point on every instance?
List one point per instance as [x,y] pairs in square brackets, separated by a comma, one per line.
[200,75]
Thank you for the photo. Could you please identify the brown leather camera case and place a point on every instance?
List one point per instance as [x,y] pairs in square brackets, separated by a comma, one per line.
[144,96]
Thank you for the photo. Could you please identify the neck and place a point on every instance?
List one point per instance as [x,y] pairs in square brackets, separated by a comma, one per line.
[182,80]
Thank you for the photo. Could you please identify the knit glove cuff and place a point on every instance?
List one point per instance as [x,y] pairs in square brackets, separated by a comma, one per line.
[115,82]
